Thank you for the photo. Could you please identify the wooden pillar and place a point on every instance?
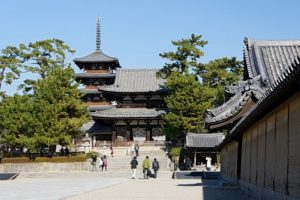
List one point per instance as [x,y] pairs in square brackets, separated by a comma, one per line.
[148,133]
[94,141]
[114,132]
[148,130]
[128,132]
[195,158]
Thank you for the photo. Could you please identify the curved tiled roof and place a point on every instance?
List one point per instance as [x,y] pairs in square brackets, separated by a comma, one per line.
[291,73]
[129,113]
[269,58]
[286,85]
[96,57]
[203,140]
[135,80]
[237,103]
[265,62]
[212,112]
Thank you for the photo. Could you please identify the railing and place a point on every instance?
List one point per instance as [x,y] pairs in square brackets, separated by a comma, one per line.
[102,143]
[120,143]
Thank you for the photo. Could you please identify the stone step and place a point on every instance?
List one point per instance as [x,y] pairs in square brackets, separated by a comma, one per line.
[121,163]
[121,160]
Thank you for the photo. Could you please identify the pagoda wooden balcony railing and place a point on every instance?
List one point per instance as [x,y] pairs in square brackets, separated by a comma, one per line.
[141,105]
[91,87]
[93,103]
[99,71]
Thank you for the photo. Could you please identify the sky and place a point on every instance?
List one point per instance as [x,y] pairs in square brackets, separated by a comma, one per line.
[136,31]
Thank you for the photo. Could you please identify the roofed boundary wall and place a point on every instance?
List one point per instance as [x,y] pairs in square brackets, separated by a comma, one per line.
[270,156]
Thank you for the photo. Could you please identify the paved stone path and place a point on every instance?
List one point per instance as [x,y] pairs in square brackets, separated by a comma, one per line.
[113,186]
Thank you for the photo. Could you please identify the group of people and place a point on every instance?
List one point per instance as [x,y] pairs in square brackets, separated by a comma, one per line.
[103,162]
[133,150]
[64,151]
[146,167]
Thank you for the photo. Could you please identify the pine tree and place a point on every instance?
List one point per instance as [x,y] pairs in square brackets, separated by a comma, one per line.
[193,86]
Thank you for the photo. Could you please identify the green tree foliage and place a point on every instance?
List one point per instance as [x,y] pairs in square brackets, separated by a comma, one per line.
[52,115]
[38,58]
[193,86]
[10,65]
[44,55]
[185,57]
[41,57]
[218,73]
[187,101]
[59,108]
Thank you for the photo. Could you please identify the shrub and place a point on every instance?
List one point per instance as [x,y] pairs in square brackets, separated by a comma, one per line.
[58,159]
[89,154]
[175,152]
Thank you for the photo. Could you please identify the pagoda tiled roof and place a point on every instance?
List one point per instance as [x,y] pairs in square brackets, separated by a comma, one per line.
[96,57]
[135,81]
[204,140]
[124,113]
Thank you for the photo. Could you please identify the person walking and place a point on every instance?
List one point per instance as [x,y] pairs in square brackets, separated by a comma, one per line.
[188,163]
[67,152]
[132,150]
[155,167]
[111,150]
[134,163]
[101,163]
[105,163]
[136,148]
[93,162]
[146,166]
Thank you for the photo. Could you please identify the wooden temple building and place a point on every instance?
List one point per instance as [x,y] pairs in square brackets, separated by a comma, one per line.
[203,145]
[262,116]
[125,104]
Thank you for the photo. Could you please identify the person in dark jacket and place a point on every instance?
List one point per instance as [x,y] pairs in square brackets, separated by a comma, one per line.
[134,163]
[155,167]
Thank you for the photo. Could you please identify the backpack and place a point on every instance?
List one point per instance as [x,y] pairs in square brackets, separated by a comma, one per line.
[155,165]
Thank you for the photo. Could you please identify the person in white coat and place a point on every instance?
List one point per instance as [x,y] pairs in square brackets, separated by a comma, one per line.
[100,163]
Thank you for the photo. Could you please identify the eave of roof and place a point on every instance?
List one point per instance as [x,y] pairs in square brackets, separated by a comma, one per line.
[286,85]
[96,57]
[93,108]
[89,91]
[129,113]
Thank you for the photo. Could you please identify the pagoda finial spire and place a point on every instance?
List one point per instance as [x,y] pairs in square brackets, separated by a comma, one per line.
[98,35]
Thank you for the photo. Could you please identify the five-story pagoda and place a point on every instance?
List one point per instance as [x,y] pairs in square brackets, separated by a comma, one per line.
[99,70]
